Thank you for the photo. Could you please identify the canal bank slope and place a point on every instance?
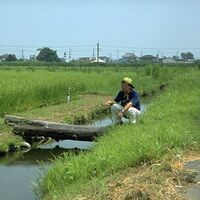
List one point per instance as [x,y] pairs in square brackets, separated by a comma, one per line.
[170,125]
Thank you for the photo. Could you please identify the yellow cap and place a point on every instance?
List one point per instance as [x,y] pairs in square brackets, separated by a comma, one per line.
[129,81]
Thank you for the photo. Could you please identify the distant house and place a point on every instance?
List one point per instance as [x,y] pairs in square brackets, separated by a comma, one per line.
[32,57]
[105,58]
[4,57]
[190,60]
[128,58]
[62,59]
[84,59]
[149,58]
[98,61]
[169,61]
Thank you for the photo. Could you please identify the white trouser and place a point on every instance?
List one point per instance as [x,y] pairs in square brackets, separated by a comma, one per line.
[132,113]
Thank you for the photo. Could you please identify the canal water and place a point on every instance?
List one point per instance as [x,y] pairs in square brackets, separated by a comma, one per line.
[19,171]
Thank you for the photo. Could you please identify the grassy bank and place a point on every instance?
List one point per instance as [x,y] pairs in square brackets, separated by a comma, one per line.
[42,94]
[7,141]
[171,124]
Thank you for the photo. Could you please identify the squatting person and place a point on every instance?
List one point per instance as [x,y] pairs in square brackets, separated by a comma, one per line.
[126,103]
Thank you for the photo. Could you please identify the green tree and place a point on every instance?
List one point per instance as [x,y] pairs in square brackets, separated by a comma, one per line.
[48,55]
[187,55]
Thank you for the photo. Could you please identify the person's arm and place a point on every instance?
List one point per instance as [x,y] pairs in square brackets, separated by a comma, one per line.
[125,108]
[134,99]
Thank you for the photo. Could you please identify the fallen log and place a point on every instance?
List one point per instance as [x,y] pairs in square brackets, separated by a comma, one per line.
[59,131]
[73,132]
[13,120]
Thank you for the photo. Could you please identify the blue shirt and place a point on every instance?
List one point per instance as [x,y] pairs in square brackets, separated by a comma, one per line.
[125,99]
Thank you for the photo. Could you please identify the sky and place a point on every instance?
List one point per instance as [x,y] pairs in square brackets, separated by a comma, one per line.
[164,27]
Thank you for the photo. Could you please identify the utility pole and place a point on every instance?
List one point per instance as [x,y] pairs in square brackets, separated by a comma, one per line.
[65,56]
[158,52]
[22,54]
[70,54]
[141,53]
[110,56]
[93,53]
[177,54]
[98,51]
[117,54]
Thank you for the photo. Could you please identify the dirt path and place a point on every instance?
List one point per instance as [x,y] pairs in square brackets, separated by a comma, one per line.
[173,177]
[192,190]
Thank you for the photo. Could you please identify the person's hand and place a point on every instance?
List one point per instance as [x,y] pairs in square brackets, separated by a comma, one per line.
[120,115]
[109,103]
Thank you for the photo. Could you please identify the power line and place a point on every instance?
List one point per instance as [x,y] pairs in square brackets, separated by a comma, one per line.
[51,46]
[151,48]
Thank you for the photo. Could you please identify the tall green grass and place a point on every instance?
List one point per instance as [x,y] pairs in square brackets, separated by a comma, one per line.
[170,124]
[24,90]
